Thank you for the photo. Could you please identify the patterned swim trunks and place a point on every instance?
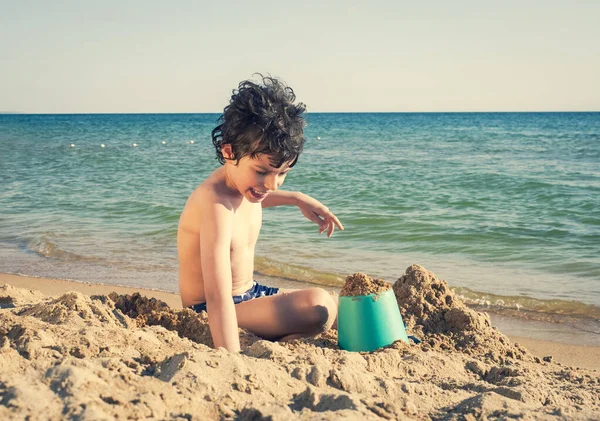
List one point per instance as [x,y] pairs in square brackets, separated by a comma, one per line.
[256,291]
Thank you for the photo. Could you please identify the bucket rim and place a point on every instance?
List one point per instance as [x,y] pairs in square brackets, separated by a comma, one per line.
[374,296]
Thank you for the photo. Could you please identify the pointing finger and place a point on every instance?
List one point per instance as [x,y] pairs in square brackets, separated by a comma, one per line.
[336,220]
[338,223]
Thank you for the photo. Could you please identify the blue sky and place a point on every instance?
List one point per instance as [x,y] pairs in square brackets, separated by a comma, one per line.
[147,56]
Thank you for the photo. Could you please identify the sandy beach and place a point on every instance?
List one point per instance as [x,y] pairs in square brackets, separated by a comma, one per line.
[72,350]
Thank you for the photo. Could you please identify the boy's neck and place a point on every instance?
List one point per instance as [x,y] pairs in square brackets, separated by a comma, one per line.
[230,185]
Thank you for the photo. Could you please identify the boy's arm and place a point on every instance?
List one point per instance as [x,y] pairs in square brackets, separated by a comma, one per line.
[311,208]
[215,242]
[280,198]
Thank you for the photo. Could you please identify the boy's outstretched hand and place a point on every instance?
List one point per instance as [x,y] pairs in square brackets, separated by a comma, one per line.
[319,214]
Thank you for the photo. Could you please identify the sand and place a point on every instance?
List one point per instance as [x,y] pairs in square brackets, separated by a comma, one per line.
[124,355]
[360,284]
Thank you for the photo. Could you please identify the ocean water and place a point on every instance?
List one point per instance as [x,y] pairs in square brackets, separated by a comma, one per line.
[504,206]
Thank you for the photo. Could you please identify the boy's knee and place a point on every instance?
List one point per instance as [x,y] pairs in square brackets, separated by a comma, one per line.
[322,308]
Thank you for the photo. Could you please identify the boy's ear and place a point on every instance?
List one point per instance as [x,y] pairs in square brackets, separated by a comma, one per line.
[227,151]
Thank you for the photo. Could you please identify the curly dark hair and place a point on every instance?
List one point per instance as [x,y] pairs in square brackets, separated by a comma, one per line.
[262,119]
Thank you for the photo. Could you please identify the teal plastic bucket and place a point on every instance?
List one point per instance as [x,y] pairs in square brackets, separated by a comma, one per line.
[369,322]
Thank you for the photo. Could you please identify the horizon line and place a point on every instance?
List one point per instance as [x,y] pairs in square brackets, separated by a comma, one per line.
[310,112]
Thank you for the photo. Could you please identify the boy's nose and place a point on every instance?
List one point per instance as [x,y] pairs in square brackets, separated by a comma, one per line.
[271,182]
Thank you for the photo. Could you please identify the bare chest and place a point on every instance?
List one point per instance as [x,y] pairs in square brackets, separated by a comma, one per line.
[246,228]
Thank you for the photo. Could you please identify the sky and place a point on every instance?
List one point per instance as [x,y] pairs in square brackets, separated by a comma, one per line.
[338,56]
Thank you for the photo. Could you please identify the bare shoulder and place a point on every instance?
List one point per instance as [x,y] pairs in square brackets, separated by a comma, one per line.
[208,197]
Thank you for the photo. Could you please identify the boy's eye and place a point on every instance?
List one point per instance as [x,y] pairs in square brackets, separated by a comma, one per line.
[266,172]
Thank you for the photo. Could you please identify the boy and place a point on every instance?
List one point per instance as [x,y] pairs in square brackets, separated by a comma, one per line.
[258,141]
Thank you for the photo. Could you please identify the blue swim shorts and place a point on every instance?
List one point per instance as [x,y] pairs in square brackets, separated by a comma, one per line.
[256,291]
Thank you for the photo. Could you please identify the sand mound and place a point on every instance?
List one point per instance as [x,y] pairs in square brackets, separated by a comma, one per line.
[187,323]
[432,312]
[359,284]
[78,357]
[77,309]
[11,297]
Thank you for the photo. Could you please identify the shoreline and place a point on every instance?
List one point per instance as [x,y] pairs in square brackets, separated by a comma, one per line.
[46,260]
[569,354]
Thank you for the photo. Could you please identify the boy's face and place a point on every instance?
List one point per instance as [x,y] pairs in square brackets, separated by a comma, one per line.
[254,178]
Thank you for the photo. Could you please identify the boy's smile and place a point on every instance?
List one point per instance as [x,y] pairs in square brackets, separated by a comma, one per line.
[258,195]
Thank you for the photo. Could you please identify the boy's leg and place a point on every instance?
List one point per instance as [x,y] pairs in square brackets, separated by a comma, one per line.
[288,315]
[336,300]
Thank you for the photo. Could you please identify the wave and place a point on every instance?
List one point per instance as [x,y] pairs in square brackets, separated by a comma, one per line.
[45,247]
[531,308]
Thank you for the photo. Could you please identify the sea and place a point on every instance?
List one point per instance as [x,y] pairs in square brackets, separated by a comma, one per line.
[504,206]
